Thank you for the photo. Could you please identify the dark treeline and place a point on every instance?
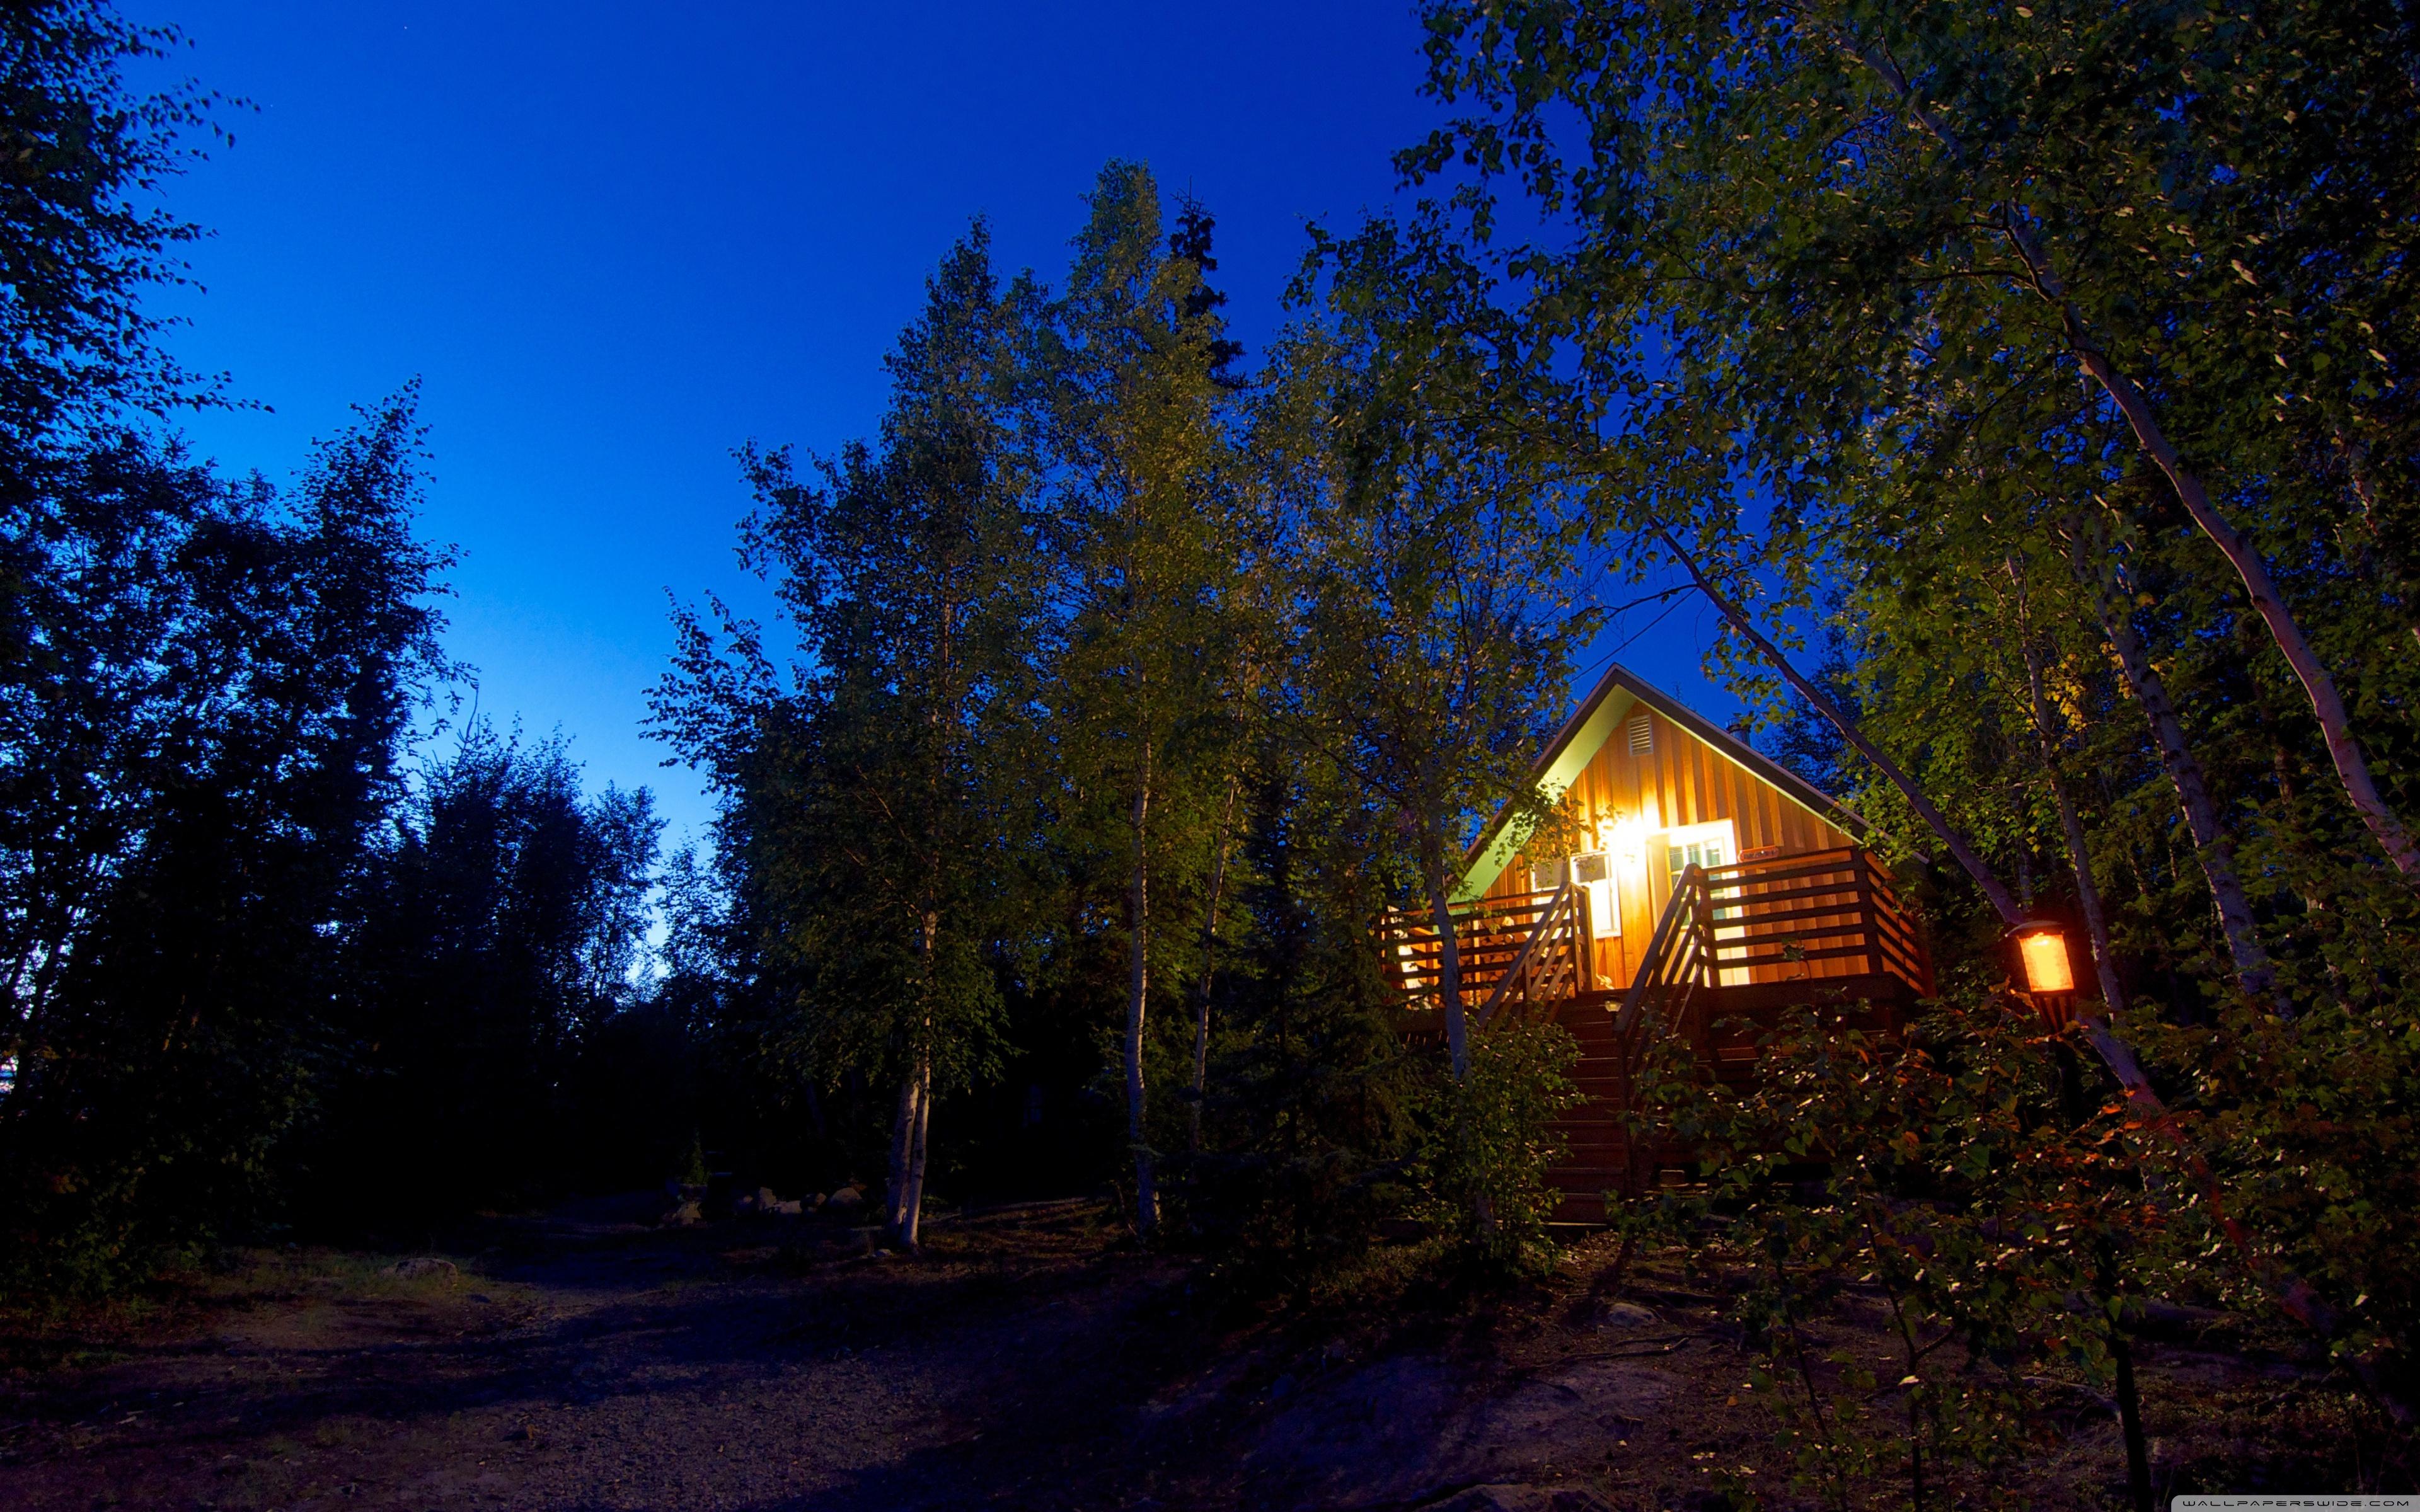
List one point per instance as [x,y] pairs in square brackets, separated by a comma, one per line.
[276,955]
[2025,391]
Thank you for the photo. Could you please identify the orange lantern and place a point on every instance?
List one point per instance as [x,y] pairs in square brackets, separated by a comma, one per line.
[2049,970]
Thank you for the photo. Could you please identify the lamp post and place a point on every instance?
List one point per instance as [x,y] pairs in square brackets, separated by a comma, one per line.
[2049,970]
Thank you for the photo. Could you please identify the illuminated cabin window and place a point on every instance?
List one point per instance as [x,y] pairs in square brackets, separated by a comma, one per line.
[1710,846]
[1593,874]
[1713,846]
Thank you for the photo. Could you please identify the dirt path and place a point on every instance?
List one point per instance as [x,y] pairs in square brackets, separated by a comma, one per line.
[583,1362]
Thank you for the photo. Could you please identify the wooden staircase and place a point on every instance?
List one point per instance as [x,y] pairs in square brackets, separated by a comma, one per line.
[1735,948]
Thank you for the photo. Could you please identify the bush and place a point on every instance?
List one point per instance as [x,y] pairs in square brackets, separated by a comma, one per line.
[1489,1143]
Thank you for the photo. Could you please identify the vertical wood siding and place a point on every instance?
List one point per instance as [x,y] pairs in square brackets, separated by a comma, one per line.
[1682,781]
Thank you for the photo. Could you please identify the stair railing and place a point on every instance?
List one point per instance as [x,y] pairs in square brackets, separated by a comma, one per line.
[1553,962]
[1679,960]
[1678,953]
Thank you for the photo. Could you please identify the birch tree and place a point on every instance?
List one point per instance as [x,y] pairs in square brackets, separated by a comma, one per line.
[1438,587]
[1147,556]
[871,797]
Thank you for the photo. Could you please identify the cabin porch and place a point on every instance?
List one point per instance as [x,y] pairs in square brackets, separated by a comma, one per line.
[1735,948]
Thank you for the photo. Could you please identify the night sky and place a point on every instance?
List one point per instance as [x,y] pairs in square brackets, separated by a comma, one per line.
[615,241]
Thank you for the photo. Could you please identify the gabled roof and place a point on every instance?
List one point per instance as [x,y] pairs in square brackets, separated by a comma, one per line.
[1584,734]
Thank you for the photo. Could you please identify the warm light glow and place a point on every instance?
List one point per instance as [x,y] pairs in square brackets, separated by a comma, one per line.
[2046,966]
[1627,840]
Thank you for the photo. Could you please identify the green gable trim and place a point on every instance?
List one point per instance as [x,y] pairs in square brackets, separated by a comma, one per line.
[1567,755]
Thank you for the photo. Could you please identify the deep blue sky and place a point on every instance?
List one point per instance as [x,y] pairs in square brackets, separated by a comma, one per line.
[615,240]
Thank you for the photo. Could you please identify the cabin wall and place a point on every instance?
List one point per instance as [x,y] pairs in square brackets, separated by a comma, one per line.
[1629,801]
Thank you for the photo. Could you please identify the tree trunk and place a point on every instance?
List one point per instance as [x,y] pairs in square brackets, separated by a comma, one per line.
[2152,440]
[1457,1028]
[1457,1031]
[2211,847]
[2087,893]
[1202,988]
[906,1212]
[2002,903]
[912,1229]
[1139,985]
[2130,1422]
[900,1214]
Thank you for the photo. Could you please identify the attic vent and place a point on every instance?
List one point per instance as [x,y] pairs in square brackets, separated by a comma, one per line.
[1643,736]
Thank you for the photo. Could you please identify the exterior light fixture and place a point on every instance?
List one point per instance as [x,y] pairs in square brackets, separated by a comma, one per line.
[2049,971]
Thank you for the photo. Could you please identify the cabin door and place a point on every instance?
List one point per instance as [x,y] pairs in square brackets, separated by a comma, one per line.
[1709,846]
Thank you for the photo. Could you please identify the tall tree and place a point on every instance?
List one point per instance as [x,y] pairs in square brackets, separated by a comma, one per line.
[204,739]
[874,801]
[499,933]
[1439,593]
[1146,541]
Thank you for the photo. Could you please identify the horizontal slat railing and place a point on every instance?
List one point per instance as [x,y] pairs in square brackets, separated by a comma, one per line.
[1490,937]
[1553,965]
[1810,917]
[1831,913]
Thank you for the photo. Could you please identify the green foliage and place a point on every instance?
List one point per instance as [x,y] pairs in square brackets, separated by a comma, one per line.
[1150,541]
[1435,560]
[1487,1143]
[196,750]
[81,240]
[1308,1104]
[490,986]
[1432,551]
[873,798]
[1951,1194]
[2311,1122]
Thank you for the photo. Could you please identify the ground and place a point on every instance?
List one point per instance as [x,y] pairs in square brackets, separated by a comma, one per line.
[1029,1358]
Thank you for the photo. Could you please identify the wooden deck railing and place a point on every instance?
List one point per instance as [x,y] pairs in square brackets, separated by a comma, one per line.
[1553,966]
[1527,948]
[1674,966]
[1822,914]
[1806,918]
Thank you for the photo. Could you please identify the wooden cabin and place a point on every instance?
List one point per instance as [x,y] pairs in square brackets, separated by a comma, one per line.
[1688,887]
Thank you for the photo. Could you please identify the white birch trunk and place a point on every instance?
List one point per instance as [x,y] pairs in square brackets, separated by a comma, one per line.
[1209,956]
[1457,1029]
[2211,847]
[905,1187]
[912,1222]
[1138,991]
